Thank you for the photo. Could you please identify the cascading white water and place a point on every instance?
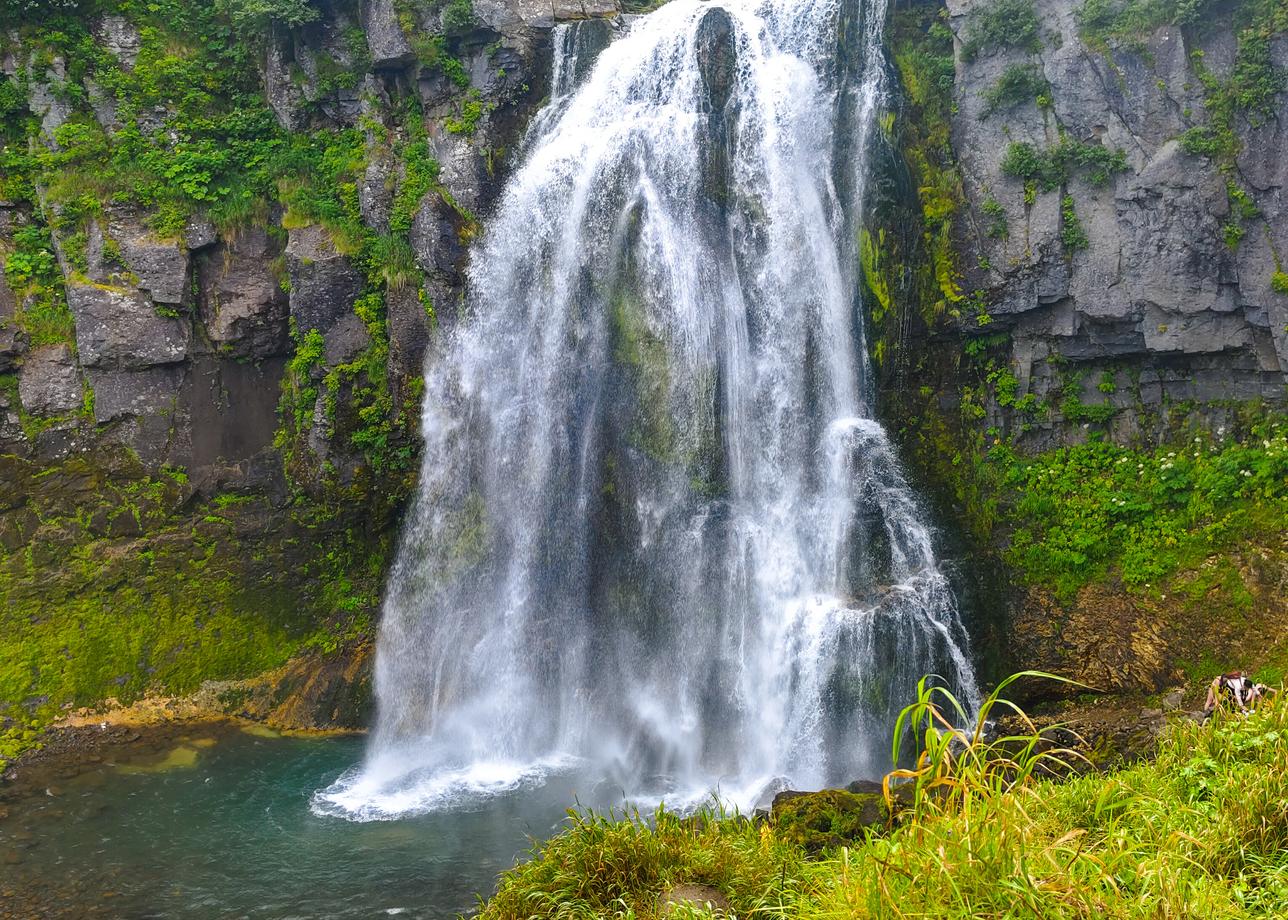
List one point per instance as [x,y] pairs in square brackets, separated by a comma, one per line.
[657,529]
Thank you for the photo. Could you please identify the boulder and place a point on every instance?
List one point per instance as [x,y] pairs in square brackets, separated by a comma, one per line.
[121,328]
[49,381]
[324,283]
[818,821]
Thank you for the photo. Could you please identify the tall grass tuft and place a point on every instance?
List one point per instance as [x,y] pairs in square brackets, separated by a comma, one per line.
[957,765]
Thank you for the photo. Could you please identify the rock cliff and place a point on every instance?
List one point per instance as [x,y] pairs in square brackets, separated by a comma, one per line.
[228,237]
[1078,241]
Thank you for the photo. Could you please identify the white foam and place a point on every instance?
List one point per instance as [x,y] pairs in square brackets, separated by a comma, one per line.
[363,794]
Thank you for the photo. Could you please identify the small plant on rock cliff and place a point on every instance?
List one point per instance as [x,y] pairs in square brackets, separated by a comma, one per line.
[1072,235]
[1052,167]
[1018,84]
[998,224]
[1004,24]
[1279,282]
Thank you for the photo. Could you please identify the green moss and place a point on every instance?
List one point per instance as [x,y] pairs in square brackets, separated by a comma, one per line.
[923,53]
[825,821]
[639,349]
[870,257]
[209,592]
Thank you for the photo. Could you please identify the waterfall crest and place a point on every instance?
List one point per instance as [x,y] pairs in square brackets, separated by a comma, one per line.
[657,527]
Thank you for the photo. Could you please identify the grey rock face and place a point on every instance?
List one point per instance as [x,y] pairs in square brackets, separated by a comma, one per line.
[161,267]
[324,284]
[119,38]
[346,340]
[118,328]
[184,342]
[1158,287]
[385,38]
[436,241]
[243,306]
[48,104]
[49,382]
[119,394]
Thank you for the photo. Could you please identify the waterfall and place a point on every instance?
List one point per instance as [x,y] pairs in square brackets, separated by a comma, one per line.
[658,530]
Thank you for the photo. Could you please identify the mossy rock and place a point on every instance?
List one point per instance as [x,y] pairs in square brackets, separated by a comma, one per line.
[819,821]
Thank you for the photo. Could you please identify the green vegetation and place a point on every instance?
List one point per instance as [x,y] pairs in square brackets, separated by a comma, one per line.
[923,52]
[1000,25]
[1249,92]
[1200,832]
[32,273]
[1072,235]
[1019,83]
[225,589]
[1053,167]
[998,223]
[1279,282]
[1083,512]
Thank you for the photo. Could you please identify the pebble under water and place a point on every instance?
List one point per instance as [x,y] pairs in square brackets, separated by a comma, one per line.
[222,828]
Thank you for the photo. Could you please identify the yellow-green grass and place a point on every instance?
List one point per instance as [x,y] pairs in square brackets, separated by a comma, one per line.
[1202,831]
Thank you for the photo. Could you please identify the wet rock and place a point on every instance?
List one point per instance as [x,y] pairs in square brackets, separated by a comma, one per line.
[435,238]
[717,58]
[121,328]
[324,284]
[314,691]
[410,325]
[243,306]
[49,382]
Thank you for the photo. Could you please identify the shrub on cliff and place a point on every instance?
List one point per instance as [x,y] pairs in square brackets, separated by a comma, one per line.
[1004,24]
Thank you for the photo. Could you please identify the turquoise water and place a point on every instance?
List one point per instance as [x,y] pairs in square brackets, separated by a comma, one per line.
[224,829]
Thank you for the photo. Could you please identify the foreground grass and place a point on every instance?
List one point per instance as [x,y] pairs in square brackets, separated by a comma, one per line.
[1200,832]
